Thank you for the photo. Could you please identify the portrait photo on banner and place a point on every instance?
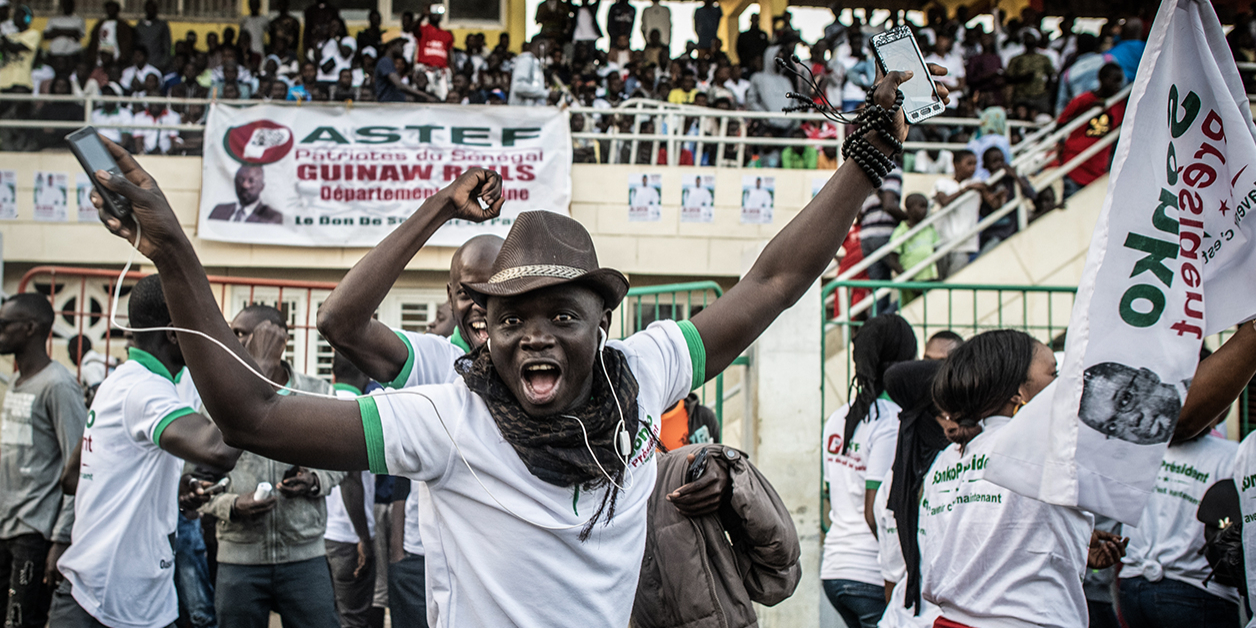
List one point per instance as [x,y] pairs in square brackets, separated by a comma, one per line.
[8,194]
[757,199]
[645,197]
[697,202]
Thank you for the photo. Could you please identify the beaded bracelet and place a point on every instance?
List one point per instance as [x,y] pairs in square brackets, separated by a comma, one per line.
[874,119]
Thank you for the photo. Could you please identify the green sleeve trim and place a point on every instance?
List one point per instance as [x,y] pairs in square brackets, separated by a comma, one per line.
[458,341]
[697,352]
[374,432]
[872,485]
[404,375]
[167,420]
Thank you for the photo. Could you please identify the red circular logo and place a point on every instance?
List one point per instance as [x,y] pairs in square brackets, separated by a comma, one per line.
[261,142]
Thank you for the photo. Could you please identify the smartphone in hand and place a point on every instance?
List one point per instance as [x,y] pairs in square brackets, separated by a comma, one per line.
[896,50]
[92,156]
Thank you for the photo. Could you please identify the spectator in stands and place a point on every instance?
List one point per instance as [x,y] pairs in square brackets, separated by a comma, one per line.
[317,14]
[527,79]
[1029,74]
[684,92]
[799,156]
[554,17]
[916,249]
[256,25]
[585,27]
[109,113]
[996,195]
[655,52]
[991,132]
[149,141]
[1128,52]
[1111,79]
[962,218]
[879,216]
[57,110]
[64,34]
[1083,74]
[19,49]
[435,44]
[371,36]
[984,73]
[945,55]
[860,69]
[307,88]
[751,44]
[111,36]
[619,20]
[390,85]
[285,28]
[657,17]
[153,34]
[134,76]
[706,23]
[343,89]
[767,93]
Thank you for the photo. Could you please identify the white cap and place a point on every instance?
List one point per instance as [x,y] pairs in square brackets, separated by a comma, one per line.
[348,42]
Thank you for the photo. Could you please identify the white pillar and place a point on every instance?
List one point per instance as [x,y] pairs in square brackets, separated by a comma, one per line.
[785,386]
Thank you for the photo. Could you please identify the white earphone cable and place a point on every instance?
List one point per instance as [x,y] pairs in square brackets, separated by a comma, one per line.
[113,320]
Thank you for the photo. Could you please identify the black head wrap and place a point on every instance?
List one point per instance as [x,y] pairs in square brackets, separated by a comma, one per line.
[881,342]
[920,438]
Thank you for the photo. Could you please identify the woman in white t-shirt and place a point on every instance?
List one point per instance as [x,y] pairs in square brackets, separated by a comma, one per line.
[858,451]
[991,557]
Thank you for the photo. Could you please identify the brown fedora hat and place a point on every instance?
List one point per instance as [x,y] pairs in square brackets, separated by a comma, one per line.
[545,249]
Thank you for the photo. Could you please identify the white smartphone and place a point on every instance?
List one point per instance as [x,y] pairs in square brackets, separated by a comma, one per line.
[896,50]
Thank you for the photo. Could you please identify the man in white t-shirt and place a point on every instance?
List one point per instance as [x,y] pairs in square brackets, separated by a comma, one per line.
[644,195]
[65,32]
[1166,577]
[147,137]
[351,523]
[757,197]
[111,113]
[119,570]
[527,533]
[945,55]
[960,219]
[133,75]
[698,195]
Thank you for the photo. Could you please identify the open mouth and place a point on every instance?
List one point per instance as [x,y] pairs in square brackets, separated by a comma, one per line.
[479,329]
[540,382]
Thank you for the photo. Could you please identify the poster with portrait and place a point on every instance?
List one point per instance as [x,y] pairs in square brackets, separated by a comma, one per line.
[697,199]
[51,194]
[8,194]
[83,191]
[757,199]
[645,196]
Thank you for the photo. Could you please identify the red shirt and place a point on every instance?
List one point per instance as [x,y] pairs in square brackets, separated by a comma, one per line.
[434,45]
[1086,135]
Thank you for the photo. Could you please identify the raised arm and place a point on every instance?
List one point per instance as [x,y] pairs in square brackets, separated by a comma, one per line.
[795,257]
[346,318]
[1219,380]
[298,429]
[196,439]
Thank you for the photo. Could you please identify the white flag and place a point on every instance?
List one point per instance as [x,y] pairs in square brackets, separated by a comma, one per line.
[1170,262]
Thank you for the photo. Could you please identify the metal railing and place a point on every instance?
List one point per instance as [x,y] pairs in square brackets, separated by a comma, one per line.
[647,304]
[83,299]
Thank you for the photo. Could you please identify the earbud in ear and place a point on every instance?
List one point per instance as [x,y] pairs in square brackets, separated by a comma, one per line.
[488,342]
[601,333]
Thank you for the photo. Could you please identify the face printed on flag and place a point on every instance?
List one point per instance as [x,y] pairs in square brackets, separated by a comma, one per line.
[1128,403]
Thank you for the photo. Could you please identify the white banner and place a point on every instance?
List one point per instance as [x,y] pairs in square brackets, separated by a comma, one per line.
[318,176]
[1170,262]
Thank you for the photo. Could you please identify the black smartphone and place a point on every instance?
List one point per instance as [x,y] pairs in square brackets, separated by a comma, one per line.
[896,50]
[93,156]
[697,467]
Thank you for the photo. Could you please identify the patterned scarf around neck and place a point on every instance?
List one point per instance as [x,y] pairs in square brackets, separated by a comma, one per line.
[553,447]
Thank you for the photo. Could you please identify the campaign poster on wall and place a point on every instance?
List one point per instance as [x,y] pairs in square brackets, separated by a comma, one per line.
[698,199]
[330,176]
[51,195]
[83,189]
[645,197]
[8,194]
[757,194]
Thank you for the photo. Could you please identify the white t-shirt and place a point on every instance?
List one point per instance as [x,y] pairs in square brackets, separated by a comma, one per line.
[954,64]
[1245,482]
[697,197]
[1169,540]
[132,74]
[121,564]
[758,198]
[121,115]
[66,45]
[993,558]
[418,503]
[961,219]
[156,139]
[894,568]
[644,196]
[331,52]
[850,549]
[489,567]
